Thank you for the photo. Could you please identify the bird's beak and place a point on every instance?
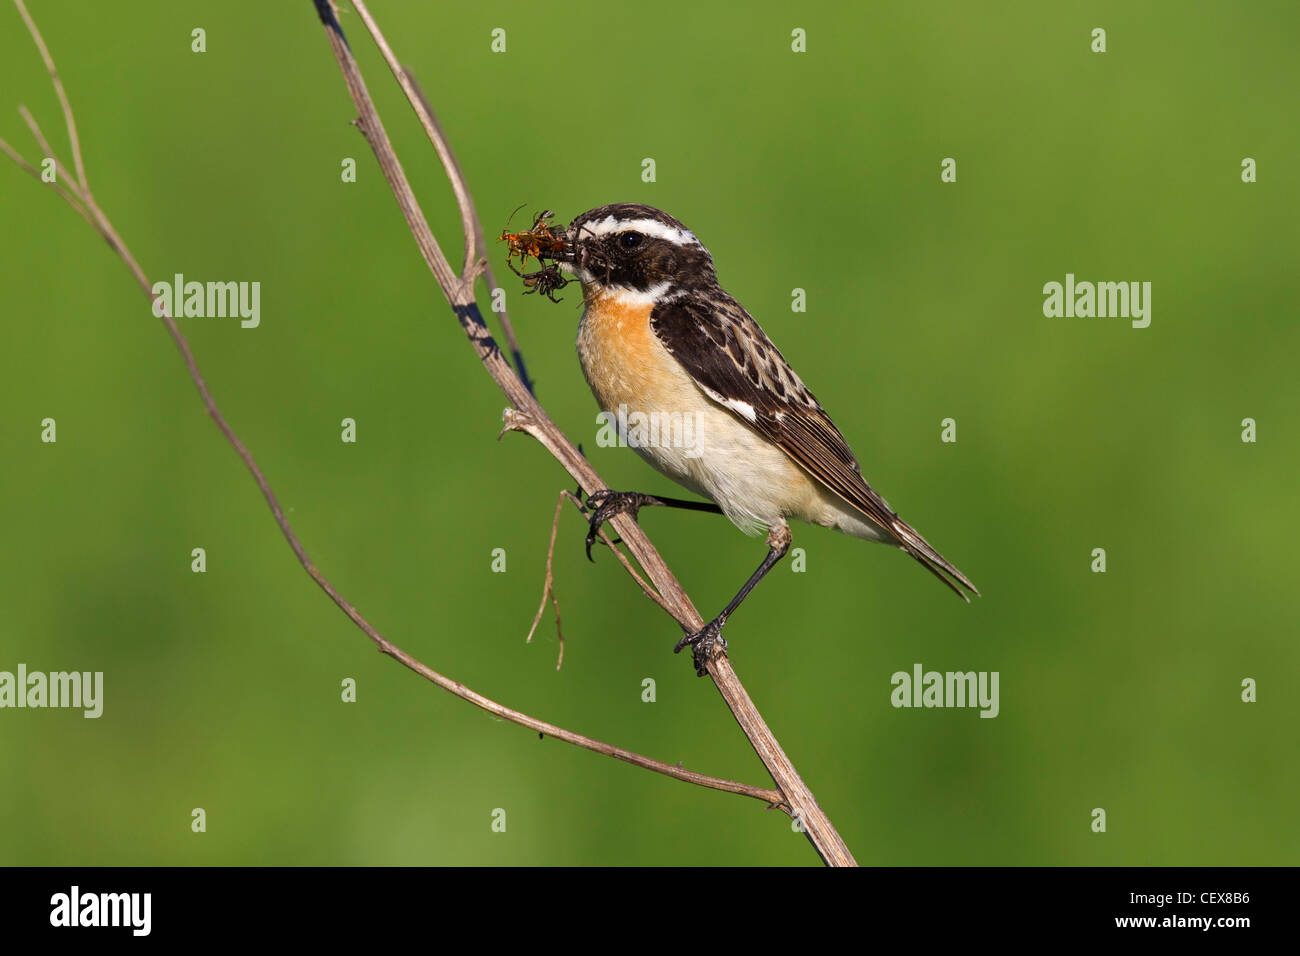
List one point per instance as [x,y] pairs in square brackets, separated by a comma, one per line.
[569,256]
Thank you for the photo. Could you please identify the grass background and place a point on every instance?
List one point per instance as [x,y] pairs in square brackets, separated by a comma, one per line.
[817,170]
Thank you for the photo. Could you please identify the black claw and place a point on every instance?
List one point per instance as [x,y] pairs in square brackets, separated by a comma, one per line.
[706,644]
[605,504]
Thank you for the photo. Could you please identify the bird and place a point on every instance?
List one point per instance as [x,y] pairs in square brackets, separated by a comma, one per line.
[659,336]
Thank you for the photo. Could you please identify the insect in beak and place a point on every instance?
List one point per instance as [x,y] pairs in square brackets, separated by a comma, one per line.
[543,241]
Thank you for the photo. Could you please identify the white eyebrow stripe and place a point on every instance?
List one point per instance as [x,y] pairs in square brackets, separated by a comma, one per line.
[650,227]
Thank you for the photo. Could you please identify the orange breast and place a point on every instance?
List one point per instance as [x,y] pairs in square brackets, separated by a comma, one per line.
[623,360]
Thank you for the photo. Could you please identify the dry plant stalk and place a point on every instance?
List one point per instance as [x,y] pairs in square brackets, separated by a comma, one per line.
[526,415]
[79,196]
[548,586]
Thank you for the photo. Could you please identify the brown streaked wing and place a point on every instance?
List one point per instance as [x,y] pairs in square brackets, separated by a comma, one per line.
[733,360]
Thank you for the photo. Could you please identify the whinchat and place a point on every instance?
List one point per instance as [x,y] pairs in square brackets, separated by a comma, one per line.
[659,335]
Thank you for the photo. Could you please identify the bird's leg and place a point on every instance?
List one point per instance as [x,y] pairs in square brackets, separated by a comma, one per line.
[708,642]
[603,505]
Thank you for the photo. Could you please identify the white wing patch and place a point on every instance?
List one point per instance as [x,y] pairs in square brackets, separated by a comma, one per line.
[743,409]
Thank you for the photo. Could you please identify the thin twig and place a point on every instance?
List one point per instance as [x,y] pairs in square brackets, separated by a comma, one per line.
[73,139]
[80,193]
[58,188]
[439,142]
[615,550]
[793,795]
[517,421]
[548,586]
[459,290]
[489,277]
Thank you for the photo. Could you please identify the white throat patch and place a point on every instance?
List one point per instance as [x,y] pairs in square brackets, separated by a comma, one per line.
[632,298]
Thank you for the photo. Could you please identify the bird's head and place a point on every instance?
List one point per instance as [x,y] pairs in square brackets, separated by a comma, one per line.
[630,250]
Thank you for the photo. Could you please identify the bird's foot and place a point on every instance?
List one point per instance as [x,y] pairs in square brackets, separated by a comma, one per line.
[706,643]
[605,504]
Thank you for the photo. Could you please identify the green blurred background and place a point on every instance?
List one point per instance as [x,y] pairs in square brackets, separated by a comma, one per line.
[817,170]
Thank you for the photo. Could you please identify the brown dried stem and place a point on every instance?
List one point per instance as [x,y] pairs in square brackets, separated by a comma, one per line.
[792,794]
[797,799]
[78,195]
[548,586]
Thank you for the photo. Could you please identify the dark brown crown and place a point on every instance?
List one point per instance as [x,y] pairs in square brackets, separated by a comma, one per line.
[639,247]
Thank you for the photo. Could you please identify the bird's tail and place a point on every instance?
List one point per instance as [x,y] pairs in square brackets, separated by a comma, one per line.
[943,569]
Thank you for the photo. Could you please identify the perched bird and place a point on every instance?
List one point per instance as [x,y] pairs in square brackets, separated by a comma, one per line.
[661,337]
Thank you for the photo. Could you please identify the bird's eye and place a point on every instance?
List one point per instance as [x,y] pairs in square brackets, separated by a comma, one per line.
[630,240]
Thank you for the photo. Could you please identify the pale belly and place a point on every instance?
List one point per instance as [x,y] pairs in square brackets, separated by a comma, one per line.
[664,416]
